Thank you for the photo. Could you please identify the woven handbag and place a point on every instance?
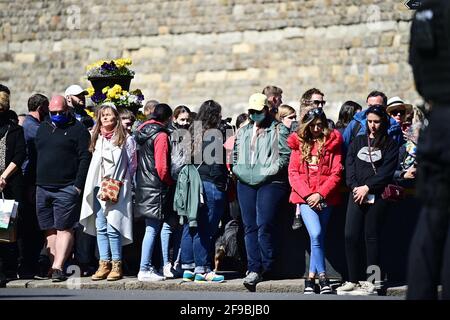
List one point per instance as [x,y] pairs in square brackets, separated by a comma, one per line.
[109,187]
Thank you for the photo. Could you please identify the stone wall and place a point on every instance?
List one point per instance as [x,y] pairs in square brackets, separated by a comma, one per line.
[185,52]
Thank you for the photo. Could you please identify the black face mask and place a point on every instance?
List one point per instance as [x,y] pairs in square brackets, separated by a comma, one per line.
[179,126]
[78,109]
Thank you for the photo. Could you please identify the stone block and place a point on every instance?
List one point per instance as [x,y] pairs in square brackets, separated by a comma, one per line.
[378,70]
[291,33]
[207,76]
[243,48]
[148,53]
[24,57]
[144,79]
[387,39]
[309,72]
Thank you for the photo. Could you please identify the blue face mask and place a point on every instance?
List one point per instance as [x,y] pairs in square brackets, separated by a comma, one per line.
[258,117]
[59,119]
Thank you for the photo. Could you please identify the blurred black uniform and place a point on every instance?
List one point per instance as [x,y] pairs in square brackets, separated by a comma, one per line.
[429,260]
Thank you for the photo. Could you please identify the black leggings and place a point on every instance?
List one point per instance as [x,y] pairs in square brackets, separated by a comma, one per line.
[367,218]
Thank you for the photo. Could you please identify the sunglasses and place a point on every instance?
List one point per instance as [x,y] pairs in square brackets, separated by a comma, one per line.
[251,111]
[316,102]
[54,113]
[313,113]
[397,112]
[292,117]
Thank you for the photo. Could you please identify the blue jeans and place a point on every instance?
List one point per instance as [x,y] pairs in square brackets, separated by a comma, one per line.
[109,239]
[167,231]
[316,224]
[196,243]
[259,207]
[152,228]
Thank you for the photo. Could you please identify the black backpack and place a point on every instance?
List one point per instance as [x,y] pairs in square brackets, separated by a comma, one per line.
[231,245]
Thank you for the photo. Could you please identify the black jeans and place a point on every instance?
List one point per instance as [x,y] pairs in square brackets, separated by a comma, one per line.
[429,259]
[367,219]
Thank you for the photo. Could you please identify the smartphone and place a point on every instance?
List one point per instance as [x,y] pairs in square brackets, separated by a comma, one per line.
[370,199]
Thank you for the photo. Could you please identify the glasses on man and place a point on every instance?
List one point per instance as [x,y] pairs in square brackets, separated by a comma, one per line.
[55,113]
[316,102]
[394,113]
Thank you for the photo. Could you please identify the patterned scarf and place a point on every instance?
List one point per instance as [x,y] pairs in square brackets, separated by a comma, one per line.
[106,134]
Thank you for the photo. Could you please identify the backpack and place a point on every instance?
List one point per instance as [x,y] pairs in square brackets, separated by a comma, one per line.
[177,155]
[229,247]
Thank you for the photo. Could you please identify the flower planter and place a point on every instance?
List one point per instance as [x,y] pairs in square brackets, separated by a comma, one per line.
[98,83]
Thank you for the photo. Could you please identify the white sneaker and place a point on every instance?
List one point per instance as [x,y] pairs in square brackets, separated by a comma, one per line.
[167,271]
[363,288]
[368,288]
[149,276]
[348,288]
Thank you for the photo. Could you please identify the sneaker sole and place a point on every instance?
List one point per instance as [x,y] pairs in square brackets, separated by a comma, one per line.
[355,293]
[328,291]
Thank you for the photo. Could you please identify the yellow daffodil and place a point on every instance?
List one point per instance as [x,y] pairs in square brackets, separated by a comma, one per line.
[90,113]
[90,91]
[122,62]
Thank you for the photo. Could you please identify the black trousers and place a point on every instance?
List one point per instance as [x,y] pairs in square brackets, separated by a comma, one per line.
[364,219]
[429,259]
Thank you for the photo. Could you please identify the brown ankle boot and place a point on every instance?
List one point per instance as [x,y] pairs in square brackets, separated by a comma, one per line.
[104,269]
[116,271]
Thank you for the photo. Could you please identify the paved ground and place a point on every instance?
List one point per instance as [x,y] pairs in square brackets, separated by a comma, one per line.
[233,287]
[205,295]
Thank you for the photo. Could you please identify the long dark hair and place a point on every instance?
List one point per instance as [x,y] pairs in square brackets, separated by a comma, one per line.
[210,115]
[348,110]
[381,136]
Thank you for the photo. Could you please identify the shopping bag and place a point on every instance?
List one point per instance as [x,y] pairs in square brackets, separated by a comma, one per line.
[8,219]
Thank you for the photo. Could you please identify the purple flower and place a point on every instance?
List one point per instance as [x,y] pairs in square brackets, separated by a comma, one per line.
[140,97]
[109,66]
[98,97]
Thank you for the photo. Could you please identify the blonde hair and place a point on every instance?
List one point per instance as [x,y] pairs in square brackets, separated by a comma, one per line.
[4,101]
[283,111]
[119,132]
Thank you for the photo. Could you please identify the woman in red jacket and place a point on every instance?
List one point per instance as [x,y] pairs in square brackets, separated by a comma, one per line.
[315,171]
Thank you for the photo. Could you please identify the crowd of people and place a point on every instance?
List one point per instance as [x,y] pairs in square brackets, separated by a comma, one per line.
[181,172]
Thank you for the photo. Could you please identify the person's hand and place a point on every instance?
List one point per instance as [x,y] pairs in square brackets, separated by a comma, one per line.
[360,193]
[78,190]
[313,200]
[2,183]
[410,173]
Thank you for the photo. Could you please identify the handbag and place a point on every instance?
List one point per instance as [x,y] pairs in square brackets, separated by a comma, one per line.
[391,192]
[8,220]
[109,187]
